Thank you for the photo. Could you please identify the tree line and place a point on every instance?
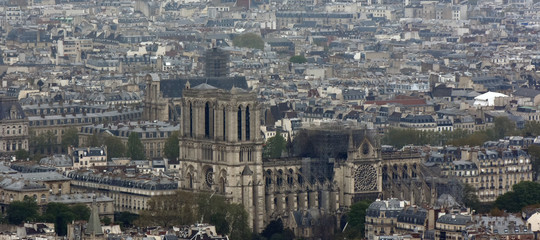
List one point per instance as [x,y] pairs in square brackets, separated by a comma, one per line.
[186,208]
[60,214]
[46,143]
[502,127]
[524,195]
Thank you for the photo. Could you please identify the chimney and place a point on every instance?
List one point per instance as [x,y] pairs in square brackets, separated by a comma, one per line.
[466,154]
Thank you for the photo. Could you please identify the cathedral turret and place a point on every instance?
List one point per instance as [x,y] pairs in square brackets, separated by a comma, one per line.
[94,224]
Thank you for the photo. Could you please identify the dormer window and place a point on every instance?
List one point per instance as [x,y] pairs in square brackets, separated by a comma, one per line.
[13,112]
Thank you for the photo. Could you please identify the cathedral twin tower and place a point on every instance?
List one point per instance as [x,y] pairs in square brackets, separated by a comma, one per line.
[221,146]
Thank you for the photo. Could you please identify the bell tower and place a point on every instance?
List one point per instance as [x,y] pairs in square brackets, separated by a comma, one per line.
[221,146]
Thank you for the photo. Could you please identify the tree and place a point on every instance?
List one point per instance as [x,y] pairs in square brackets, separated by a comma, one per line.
[503,127]
[274,146]
[470,199]
[275,226]
[184,208]
[531,128]
[176,209]
[523,194]
[171,149]
[356,218]
[115,147]
[60,214]
[475,139]
[43,142]
[21,154]
[135,148]
[70,138]
[50,141]
[106,221]
[125,219]
[298,59]
[80,212]
[237,217]
[96,140]
[22,211]
[324,228]
[249,40]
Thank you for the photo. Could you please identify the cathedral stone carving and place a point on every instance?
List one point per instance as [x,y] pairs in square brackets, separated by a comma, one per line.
[365,178]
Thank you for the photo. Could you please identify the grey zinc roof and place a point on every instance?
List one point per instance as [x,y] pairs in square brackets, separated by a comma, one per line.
[20,185]
[6,104]
[78,198]
[174,88]
[57,160]
[454,219]
[204,86]
[526,92]
[44,176]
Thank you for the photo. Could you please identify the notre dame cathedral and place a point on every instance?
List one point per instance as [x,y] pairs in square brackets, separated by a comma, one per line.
[221,151]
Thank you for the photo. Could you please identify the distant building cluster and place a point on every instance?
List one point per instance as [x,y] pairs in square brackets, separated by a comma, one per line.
[396,219]
[326,79]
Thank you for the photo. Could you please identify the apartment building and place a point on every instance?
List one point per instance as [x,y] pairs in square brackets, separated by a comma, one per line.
[492,172]
[13,125]
[153,135]
[128,193]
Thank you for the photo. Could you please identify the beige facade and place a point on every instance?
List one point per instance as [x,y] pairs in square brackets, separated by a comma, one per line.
[88,157]
[493,173]
[58,124]
[156,107]
[13,127]
[452,226]
[39,186]
[153,135]
[221,147]
[73,47]
[104,204]
[128,194]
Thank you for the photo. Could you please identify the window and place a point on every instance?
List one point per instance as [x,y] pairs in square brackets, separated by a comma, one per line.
[241,155]
[239,123]
[207,120]
[190,120]
[224,123]
[248,133]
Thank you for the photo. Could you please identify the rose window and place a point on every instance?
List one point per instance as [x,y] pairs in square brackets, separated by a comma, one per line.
[365,178]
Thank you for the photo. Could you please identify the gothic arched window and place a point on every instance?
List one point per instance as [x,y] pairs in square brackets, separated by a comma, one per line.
[239,123]
[247,124]
[207,120]
[190,120]
[224,123]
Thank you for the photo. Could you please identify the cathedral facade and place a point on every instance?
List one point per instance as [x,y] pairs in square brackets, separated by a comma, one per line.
[221,147]
[221,152]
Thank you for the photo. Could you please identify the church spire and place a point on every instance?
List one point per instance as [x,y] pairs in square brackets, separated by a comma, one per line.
[94,225]
[351,143]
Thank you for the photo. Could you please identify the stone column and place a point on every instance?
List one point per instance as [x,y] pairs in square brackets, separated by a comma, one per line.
[280,202]
[270,207]
[325,195]
[199,120]
[334,201]
[218,122]
[292,201]
[231,124]
[313,199]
